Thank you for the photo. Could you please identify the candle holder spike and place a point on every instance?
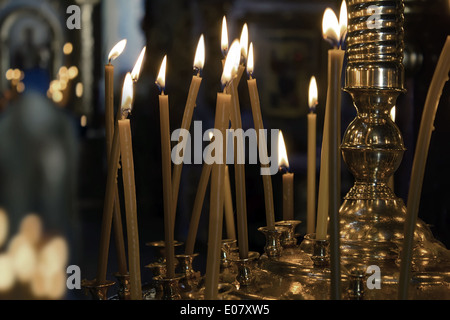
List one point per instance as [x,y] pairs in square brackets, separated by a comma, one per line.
[123,291]
[96,290]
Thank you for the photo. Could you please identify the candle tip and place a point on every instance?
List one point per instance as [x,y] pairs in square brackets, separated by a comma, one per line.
[161,79]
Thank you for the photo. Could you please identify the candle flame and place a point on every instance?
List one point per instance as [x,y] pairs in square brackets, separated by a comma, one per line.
[330,27]
[137,67]
[127,93]
[312,98]
[117,50]
[199,60]
[282,153]
[250,58]
[244,41]
[393,114]
[161,80]
[231,63]
[343,22]
[224,41]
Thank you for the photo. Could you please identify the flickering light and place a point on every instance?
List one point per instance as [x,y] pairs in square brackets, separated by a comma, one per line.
[83,121]
[31,228]
[127,93]
[9,74]
[312,96]
[20,87]
[199,60]
[330,27]
[7,276]
[161,79]
[231,63]
[117,50]
[23,257]
[67,48]
[244,41]
[73,72]
[283,161]
[79,90]
[135,73]
[250,59]
[343,22]
[224,39]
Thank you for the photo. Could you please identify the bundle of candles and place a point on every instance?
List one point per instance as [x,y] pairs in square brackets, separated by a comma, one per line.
[238,58]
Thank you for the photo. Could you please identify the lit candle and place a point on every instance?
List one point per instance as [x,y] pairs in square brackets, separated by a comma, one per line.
[438,81]
[198,205]
[236,50]
[217,180]
[311,157]
[166,171]
[224,40]
[199,62]
[330,160]
[288,180]
[335,35]
[109,132]
[391,178]
[112,148]
[136,72]
[129,188]
[262,145]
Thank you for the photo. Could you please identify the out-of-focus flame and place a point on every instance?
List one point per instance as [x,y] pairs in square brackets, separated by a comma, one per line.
[127,93]
[135,73]
[312,96]
[283,161]
[161,79]
[343,21]
[31,228]
[199,60]
[231,63]
[224,39]
[244,41]
[117,50]
[330,27]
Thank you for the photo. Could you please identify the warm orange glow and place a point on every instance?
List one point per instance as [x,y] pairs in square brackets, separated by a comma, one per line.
[199,60]
[127,93]
[67,48]
[244,41]
[7,276]
[224,40]
[73,72]
[250,58]
[31,228]
[138,66]
[161,80]
[117,50]
[330,27]
[282,153]
[343,21]
[231,63]
[312,97]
